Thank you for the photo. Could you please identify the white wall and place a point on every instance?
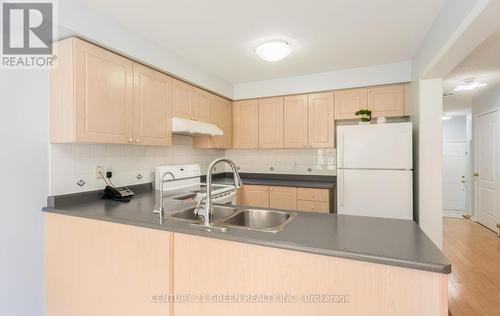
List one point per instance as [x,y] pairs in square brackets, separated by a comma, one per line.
[23,190]
[459,28]
[430,159]
[486,101]
[75,18]
[340,79]
[70,163]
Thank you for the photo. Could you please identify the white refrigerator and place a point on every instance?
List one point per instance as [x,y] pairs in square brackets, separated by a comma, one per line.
[374,170]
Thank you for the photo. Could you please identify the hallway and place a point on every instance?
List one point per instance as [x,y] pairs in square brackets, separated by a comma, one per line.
[474,284]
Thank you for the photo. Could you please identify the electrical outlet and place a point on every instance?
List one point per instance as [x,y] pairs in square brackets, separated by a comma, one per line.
[99,172]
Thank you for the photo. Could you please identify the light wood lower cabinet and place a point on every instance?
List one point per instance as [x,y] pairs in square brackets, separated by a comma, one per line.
[219,271]
[256,195]
[287,198]
[283,198]
[100,268]
[313,206]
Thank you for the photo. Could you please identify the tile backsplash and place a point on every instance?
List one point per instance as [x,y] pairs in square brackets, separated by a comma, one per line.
[72,166]
[294,161]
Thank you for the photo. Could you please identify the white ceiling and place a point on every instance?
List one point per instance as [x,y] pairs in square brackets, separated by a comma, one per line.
[219,35]
[483,64]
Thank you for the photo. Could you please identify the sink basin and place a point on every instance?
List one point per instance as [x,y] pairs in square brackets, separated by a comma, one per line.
[261,220]
[188,215]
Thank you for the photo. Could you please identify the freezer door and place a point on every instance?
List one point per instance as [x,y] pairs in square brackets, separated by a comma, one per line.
[378,193]
[375,146]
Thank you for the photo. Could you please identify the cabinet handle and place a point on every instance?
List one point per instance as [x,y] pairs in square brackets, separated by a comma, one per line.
[137,141]
[130,140]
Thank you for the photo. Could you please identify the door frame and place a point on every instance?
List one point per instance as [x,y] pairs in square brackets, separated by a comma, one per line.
[474,167]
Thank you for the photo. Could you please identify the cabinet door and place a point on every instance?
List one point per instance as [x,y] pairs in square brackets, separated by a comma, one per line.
[283,198]
[182,99]
[227,114]
[256,195]
[103,95]
[222,116]
[295,121]
[201,105]
[152,102]
[246,124]
[386,100]
[93,267]
[271,122]
[347,102]
[321,121]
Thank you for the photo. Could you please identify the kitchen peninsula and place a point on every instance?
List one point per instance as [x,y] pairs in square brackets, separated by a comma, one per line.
[110,258]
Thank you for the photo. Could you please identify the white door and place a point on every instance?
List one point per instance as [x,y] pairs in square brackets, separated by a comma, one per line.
[454,176]
[375,146]
[486,169]
[378,193]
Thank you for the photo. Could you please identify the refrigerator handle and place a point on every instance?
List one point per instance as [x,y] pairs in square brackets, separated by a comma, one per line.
[340,188]
[340,148]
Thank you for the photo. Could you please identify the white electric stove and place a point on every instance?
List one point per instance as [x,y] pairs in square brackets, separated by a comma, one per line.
[188,182]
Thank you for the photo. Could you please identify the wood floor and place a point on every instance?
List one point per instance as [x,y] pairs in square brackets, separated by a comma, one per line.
[474,284]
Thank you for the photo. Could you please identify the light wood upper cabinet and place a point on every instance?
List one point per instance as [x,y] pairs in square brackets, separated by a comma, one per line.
[271,122]
[295,121]
[182,99]
[347,102]
[283,198]
[152,106]
[91,95]
[222,116]
[256,195]
[321,121]
[246,124]
[386,100]
[201,105]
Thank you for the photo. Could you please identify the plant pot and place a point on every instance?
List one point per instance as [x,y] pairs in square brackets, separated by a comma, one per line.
[363,123]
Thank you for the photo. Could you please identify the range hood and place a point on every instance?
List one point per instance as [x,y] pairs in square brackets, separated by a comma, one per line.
[182,126]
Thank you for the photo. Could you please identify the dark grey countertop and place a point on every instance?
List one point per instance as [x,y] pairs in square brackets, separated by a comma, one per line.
[285,180]
[386,241]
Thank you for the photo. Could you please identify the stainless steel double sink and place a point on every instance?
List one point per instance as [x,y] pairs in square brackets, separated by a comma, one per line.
[224,217]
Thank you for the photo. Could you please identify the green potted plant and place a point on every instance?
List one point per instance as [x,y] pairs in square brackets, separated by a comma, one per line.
[366,116]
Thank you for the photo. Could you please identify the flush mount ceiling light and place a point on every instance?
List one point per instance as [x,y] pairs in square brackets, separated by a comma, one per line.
[273,50]
[470,85]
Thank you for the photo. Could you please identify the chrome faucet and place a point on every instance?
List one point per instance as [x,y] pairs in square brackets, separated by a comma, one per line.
[161,209]
[208,208]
